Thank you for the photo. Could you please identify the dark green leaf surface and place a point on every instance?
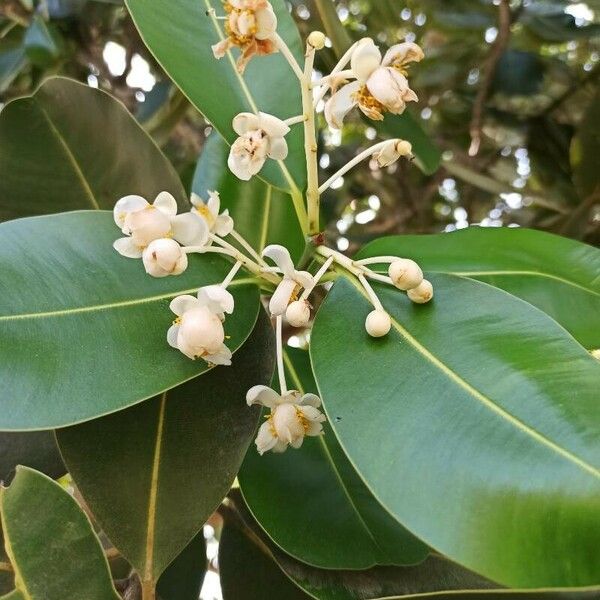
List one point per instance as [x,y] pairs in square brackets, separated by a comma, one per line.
[180,34]
[183,578]
[35,449]
[262,214]
[475,422]
[343,526]
[83,329]
[54,156]
[51,543]
[154,473]
[12,57]
[555,274]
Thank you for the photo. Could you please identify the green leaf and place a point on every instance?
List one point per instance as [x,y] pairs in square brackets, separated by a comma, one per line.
[84,329]
[555,274]
[183,578]
[248,573]
[35,449]
[474,422]
[263,214]
[344,527]
[585,149]
[40,45]
[154,473]
[54,156]
[180,34]
[51,543]
[12,58]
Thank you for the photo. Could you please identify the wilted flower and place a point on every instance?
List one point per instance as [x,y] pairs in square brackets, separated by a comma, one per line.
[391,152]
[198,330]
[219,224]
[381,84]
[293,416]
[250,25]
[261,137]
[164,257]
[143,223]
[293,281]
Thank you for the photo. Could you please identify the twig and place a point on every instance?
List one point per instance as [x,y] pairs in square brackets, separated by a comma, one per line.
[498,47]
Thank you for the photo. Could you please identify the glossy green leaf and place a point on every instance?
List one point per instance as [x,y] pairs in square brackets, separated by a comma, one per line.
[475,422]
[263,214]
[51,543]
[54,156]
[180,34]
[83,329]
[558,275]
[182,580]
[343,526]
[154,473]
[35,449]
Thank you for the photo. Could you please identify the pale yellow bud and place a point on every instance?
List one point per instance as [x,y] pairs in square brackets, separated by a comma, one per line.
[422,293]
[317,40]
[378,323]
[405,274]
[298,313]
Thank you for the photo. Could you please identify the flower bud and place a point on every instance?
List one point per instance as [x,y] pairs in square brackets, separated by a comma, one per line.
[378,323]
[405,274]
[164,257]
[200,332]
[298,313]
[287,423]
[391,152]
[147,225]
[422,293]
[316,39]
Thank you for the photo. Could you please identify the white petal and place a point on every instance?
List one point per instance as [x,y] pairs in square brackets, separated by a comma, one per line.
[196,200]
[340,104]
[266,23]
[221,357]
[166,203]
[239,165]
[403,53]
[126,205]
[314,428]
[365,59]
[313,414]
[223,224]
[214,202]
[390,87]
[190,229]
[172,336]
[216,298]
[181,304]
[280,447]
[126,247]
[272,126]
[263,395]
[304,278]
[310,400]
[265,440]
[245,122]
[281,297]
[278,148]
[281,257]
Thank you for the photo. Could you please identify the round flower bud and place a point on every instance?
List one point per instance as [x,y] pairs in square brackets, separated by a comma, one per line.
[317,40]
[405,274]
[200,332]
[298,313]
[147,225]
[378,323]
[422,293]
[164,257]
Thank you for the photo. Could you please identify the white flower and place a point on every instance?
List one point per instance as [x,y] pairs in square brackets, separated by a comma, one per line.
[198,330]
[293,281]
[250,25]
[143,223]
[381,84]
[219,224]
[391,152]
[262,136]
[293,416]
[164,257]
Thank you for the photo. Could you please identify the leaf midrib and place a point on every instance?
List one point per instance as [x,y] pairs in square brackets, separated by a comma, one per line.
[113,305]
[479,396]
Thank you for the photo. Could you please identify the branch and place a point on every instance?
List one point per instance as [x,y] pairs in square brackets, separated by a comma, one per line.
[498,47]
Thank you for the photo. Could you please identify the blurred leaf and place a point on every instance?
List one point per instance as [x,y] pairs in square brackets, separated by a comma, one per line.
[263,215]
[180,33]
[557,27]
[474,422]
[518,73]
[153,474]
[51,544]
[12,58]
[183,578]
[344,527]
[67,298]
[48,138]
[585,150]
[40,43]
[35,449]
[555,274]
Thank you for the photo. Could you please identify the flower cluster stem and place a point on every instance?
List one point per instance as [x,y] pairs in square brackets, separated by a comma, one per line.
[279,344]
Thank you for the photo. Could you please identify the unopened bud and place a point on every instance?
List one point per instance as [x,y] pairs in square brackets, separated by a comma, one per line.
[405,274]
[422,293]
[317,40]
[391,152]
[298,313]
[164,257]
[378,323]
